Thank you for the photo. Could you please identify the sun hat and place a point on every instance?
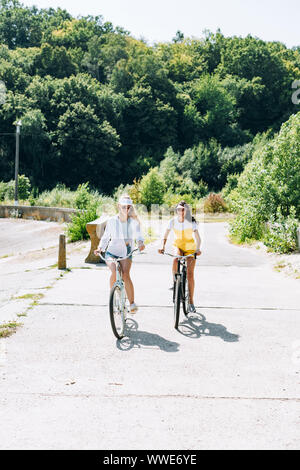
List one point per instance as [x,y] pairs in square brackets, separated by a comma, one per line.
[125,201]
[181,204]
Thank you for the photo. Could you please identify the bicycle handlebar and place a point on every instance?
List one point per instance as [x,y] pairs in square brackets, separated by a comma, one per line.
[118,259]
[180,256]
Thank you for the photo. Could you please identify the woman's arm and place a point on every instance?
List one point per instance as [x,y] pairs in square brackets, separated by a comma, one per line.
[138,235]
[105,237]
[198,242]
[164,241]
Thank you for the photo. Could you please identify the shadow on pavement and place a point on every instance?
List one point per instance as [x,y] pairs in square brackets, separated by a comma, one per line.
[195,326]
[138,338]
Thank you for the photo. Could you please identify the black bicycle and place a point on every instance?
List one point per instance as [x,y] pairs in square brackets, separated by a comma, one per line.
[180,287]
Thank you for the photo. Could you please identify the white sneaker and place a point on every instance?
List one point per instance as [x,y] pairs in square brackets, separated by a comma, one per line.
[133,308]
[192,308]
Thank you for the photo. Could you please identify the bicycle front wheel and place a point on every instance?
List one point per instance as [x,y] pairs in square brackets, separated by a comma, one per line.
[116,312]
[185,294]
[177,302]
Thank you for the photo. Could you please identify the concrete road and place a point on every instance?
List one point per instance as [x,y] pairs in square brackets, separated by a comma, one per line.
[227,379]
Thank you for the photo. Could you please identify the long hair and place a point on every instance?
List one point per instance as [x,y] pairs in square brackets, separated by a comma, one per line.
[188,213]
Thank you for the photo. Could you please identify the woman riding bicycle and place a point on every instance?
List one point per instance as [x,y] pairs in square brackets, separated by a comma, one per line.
[187,241]
[118,241]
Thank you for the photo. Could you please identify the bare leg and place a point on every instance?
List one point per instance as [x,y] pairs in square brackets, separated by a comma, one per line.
[175,262]
[126,266]
[113,276]
[191,262]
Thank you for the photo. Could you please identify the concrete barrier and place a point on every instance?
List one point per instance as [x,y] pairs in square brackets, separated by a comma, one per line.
[53,214]
[95,230]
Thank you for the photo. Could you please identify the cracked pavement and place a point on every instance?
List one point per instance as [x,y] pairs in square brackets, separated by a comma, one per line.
[228,379]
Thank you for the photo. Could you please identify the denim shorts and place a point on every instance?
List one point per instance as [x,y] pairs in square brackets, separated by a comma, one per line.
[109,255]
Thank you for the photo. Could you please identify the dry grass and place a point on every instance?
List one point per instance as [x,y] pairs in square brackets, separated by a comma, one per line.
[8,329]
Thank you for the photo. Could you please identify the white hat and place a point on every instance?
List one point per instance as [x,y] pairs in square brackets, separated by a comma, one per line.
[125,201]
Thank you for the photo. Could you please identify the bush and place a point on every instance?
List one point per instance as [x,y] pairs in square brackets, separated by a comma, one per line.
[82,196]
[214,203]
[248,225]
[10,191]
[135,192]
[281,234]
[152,188]
[24,187]
[60,196]
[3,187]
[76,229]
[188,186]
[7,190]
[232,182]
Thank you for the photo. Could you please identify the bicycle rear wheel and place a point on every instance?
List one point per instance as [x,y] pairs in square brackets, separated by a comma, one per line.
[185,294]
[177,302]
[116,312]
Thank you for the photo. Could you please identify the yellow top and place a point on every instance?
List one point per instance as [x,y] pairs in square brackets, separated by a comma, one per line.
[183,231]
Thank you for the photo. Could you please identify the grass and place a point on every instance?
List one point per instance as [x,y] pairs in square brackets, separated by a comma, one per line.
[6,256]
[287,268]
[279,266]
[8,329]
[33,297]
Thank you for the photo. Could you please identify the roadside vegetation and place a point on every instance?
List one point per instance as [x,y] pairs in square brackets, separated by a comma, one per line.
[209,120]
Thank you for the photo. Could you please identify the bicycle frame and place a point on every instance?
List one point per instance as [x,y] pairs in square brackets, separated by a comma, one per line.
[179,289]
[121,304]
[119,280]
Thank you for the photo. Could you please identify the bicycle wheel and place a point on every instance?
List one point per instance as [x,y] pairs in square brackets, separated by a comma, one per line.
[177,302]
[116,312]
[185,293]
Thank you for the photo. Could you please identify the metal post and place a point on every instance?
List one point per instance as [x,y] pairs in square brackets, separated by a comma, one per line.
[18,127]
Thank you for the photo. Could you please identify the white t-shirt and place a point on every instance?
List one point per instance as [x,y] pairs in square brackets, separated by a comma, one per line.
[183,231]
[117,234]
[176,225]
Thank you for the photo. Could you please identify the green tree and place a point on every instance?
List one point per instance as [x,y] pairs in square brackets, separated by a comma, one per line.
[87,148]
[55,61]
[35,146]
[209,111]
[152,188]
[103,54]
[201,164]
[270,182]
[250,58]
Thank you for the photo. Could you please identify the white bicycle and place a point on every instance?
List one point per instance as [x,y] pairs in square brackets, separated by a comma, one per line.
[118,309]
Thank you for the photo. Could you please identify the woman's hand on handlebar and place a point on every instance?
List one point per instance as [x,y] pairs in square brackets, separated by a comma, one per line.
[161,251]
[141,246]
[97,252]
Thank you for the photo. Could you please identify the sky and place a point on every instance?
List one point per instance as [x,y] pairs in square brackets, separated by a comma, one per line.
[158,20]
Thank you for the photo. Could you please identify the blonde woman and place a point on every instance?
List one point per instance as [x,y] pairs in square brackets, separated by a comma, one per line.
[118,241]
[187,241]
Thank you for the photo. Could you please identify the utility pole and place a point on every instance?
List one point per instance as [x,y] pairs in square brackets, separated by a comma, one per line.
[18,125]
